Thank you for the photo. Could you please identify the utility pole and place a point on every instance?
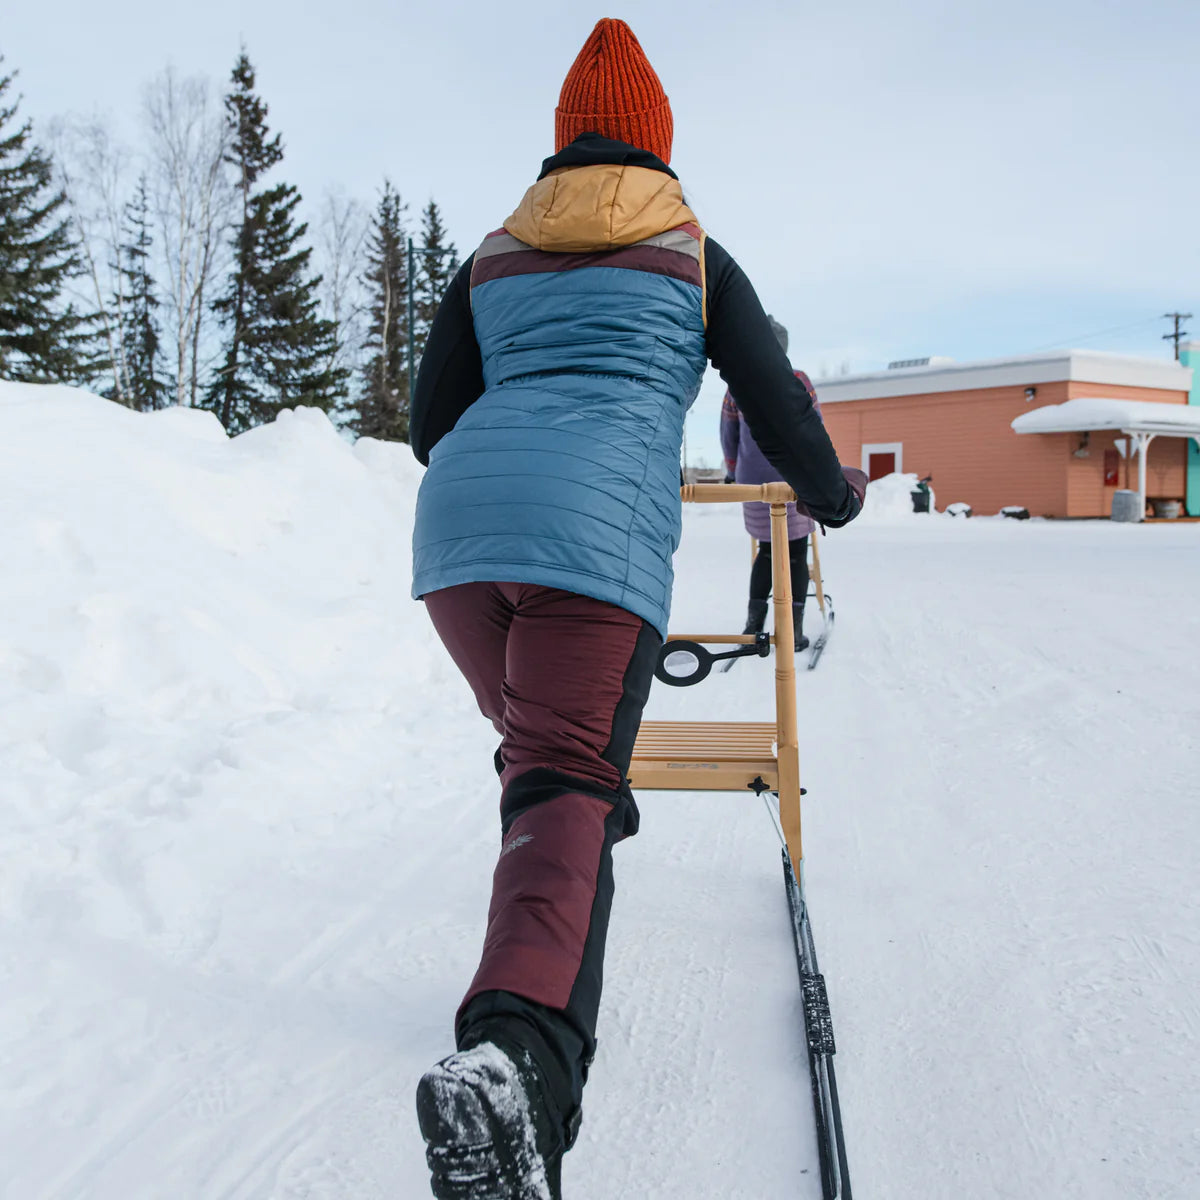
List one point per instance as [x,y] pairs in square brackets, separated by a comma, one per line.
[1179,334]
[411,279]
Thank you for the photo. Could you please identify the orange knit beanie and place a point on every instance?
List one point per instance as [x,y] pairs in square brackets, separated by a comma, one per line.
[611,89]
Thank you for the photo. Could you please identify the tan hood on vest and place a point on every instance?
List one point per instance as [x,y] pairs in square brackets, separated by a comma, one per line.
[577,209]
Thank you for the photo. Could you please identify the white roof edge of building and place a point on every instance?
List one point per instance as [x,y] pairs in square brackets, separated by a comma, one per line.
[1026,370]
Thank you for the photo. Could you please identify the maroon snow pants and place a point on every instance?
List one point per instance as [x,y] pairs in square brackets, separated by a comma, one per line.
[564,679]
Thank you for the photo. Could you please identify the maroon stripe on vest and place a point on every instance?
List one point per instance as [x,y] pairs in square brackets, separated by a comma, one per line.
[653,259]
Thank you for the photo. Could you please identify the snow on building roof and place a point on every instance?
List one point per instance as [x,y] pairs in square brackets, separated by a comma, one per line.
[1096,412]
[1025,370]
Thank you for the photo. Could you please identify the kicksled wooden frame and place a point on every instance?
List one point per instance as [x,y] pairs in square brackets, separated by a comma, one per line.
[761,757]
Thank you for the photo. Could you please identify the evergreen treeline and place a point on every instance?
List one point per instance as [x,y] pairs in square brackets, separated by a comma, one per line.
[199,282]
[43,337]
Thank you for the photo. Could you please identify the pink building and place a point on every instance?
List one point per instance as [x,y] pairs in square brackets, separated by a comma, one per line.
[953,421]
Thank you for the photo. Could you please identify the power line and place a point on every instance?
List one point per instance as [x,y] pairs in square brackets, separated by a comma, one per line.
[1092,336]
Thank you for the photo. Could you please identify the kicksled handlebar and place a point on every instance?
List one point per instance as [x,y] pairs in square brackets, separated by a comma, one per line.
[736,493]
[683,660]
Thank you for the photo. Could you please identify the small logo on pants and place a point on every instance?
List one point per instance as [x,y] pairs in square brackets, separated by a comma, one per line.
[516,843]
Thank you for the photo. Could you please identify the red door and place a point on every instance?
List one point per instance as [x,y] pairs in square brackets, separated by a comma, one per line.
[879,465]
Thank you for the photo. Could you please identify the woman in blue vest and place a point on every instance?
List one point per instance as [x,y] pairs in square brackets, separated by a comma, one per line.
[549,409]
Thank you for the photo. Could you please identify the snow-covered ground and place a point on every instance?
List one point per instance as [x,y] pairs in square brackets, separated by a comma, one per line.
[247,826]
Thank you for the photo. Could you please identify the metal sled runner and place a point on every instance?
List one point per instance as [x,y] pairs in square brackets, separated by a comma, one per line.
[759,757]
[824,603]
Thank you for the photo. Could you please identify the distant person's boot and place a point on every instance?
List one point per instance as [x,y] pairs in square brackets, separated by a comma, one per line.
[756,616]
[798,627]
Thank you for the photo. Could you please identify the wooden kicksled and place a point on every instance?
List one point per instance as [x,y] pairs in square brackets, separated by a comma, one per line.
[756,757]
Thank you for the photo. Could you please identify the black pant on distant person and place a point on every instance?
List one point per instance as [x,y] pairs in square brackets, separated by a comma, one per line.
[760,587]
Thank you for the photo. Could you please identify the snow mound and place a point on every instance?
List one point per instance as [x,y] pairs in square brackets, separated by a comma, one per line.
[164,574]
[890,500]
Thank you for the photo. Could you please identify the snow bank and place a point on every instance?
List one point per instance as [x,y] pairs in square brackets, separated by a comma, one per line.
[889,500]
[146,547]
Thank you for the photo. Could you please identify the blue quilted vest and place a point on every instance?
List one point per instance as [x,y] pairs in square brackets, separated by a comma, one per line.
[565,472]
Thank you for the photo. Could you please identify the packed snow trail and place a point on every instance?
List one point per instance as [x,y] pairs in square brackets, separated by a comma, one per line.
[248,824]
[999,829]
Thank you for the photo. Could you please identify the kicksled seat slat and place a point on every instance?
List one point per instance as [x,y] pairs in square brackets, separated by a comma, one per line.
[705,755]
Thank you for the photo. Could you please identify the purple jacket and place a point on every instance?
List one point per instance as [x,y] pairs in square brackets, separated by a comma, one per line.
[748,464]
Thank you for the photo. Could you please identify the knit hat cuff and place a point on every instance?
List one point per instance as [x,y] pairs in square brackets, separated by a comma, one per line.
[649,129]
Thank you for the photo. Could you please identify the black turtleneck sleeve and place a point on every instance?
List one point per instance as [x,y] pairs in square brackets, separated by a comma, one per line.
[776,405]
[450,377]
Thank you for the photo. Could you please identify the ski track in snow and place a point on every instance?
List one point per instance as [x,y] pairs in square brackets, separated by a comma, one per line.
[248,828]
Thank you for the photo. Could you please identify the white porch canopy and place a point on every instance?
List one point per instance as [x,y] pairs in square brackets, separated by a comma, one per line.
[1140,420]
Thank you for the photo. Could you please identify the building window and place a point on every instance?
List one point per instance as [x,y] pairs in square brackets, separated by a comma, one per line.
[882,458]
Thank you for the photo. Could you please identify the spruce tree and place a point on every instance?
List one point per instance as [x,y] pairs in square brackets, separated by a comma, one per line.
[43,339]
[145,387]
[383,402]
[279,352]
[437,262]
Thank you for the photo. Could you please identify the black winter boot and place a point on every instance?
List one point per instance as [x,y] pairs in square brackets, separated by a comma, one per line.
[798,627]
[756,616]
[488,1130]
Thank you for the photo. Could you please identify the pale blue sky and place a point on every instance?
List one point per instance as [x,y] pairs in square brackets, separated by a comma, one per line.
[898,179]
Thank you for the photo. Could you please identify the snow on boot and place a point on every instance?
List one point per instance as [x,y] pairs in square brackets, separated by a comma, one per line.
[756,616]
[798,627]
[487,1130]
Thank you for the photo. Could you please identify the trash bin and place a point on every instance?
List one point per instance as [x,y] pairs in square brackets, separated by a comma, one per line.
[1169,510]
[1126,505]
[921,495]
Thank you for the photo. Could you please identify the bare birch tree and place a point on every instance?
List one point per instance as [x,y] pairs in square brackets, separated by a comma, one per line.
[192,199]
[341,237]
[92,168]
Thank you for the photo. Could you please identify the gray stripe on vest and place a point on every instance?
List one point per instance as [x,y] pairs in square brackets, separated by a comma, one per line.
[501,243]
